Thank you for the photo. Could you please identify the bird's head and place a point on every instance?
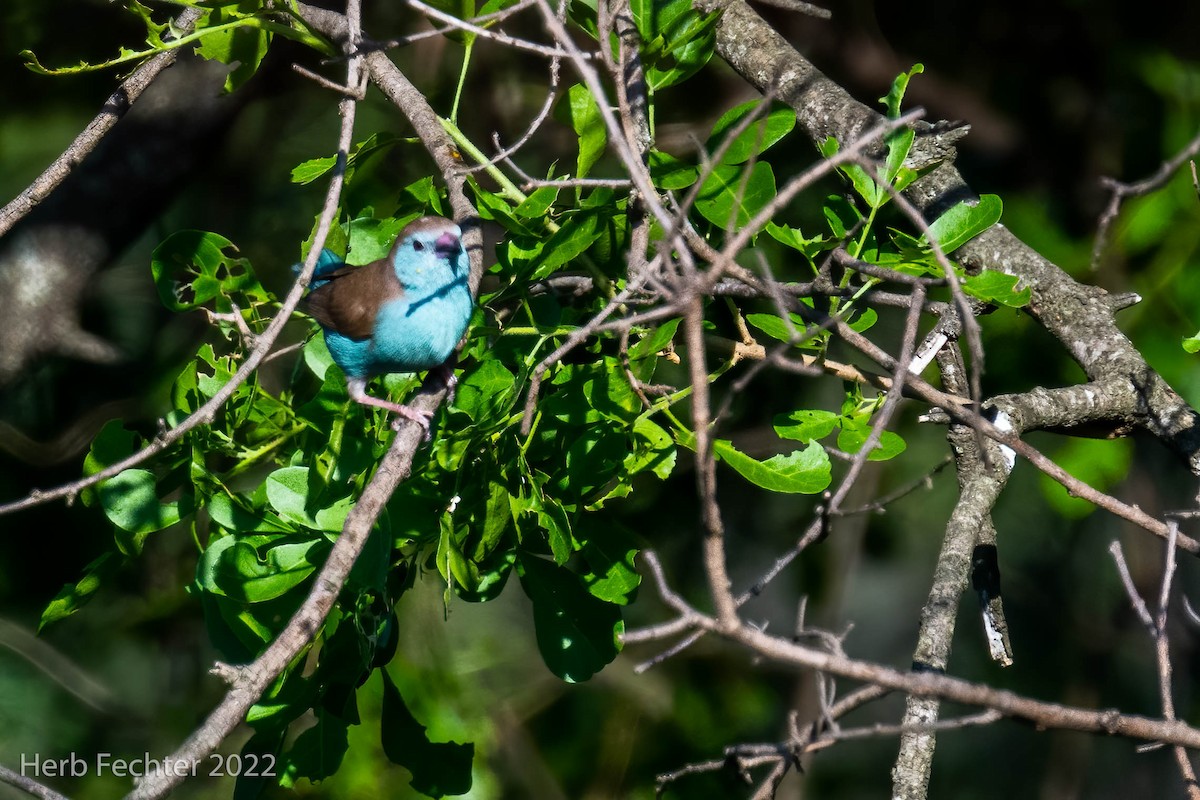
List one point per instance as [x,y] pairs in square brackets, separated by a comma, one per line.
[428,244]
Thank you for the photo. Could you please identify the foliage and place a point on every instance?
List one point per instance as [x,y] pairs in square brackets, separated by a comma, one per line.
[265,487]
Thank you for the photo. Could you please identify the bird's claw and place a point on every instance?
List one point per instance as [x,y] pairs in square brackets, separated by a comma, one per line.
[444,374]
[410,414]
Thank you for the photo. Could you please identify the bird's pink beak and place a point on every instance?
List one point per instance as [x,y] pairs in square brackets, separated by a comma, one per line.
[447,245]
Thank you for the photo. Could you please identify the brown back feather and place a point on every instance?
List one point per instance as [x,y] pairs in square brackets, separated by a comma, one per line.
[349,302]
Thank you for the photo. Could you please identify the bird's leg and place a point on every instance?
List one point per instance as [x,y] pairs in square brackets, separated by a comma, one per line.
[444,374]
[357,387]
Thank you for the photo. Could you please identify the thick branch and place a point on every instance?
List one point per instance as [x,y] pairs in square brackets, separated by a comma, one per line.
[1080,316]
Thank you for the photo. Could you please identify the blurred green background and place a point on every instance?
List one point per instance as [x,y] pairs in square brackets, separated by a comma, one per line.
[1058,94]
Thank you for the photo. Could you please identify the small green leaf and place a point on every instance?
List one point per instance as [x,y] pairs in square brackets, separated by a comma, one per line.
[655,341]
[588,124]
[309,171]
[538,203]
[804,471]
[795,239]
[370,239]
[997,287]
[807,425]
[865,185]
[233,566]
[896,94]
[130,501]
[73,596]
[864,320]
[755,139]
[854,435]
[1191,344]
[652,448]
[610,552]
[576,235]
[670,173]
[964,222]
[776,328]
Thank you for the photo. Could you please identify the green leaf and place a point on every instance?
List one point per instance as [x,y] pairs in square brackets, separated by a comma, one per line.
[862,321]
[865,185]
[371,239]
[795,239]
[726,203]
[842,216]
[244,46]
[192,267]
[588,124]
[130,501]
[899,143]
[317,753]
[577,633]
[964,222]
[486,391]
[688,45]
[758,136]
[896,94]
[807,425]
[288,493]
[670,173]
[250,570]
[655,341]
[776,328]
[854,435]
[498,517]
[74,596]
[1191,344]
[804,471]
[537,205]
[652,448]
[997,287]
[309,171]
[576,235]
[610,551]
[438,768]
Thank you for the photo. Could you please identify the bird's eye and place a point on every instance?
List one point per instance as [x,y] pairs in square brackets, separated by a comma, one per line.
[417,245]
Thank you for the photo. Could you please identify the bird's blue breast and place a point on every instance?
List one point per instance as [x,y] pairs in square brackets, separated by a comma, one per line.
[413,332]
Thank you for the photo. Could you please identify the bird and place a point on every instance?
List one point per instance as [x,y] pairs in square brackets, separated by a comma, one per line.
[403,313]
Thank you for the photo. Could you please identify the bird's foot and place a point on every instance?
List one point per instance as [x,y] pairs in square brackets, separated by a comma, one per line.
[357,388]
[409,413]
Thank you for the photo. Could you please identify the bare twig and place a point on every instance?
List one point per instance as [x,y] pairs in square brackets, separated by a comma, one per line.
[1121,191]
[487,33]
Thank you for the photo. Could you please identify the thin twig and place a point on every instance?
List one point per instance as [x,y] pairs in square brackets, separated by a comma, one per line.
[1120,191]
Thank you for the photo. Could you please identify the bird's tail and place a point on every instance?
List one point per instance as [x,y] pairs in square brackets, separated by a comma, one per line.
[328,262]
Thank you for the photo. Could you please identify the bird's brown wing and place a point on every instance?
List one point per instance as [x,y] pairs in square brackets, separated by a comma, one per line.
[350,300]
